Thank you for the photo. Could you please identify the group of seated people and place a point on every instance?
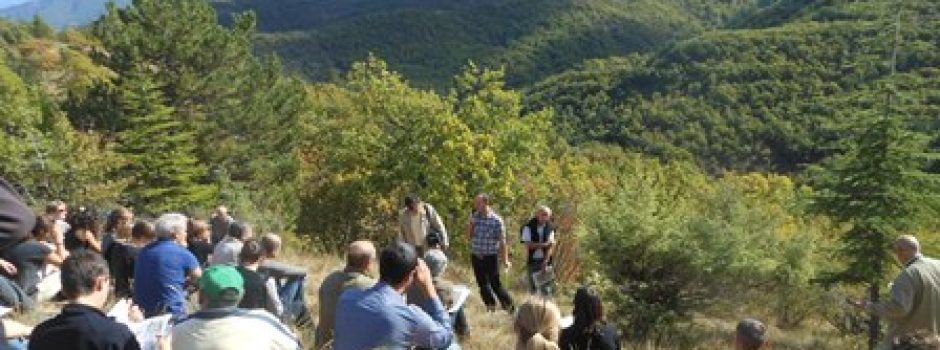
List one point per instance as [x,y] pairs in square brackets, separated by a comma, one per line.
[244,299]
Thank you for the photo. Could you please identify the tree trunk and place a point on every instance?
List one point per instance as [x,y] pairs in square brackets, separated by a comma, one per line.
[874,325]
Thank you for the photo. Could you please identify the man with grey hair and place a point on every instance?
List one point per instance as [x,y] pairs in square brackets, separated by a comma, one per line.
[914,303]
[226,252]
[163,268]
[538,236]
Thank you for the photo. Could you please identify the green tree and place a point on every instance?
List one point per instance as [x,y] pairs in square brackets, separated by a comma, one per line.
[877,188]
[161,154]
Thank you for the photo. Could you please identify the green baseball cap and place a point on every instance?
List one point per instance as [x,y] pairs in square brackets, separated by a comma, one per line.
[222,283]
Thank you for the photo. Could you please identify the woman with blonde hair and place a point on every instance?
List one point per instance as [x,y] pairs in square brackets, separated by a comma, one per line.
[537,324]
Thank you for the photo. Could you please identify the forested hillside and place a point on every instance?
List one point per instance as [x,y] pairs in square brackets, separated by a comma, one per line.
[428,41]
[773,98]
[732,157]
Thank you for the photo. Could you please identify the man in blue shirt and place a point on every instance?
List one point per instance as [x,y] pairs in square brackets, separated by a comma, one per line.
[379,317]
[162,269]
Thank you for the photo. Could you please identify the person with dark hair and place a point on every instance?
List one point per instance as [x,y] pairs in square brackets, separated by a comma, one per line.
[31,258]
[260,291]
[82,325]
[487,245]
[83,231]
[219,224]
[199,243]
[360,256]
[220,324]
[16,221]
[124,257]
[226,251]
[117,230]
[418,220]
[750,334]
[163,268]
[590,331]
[379,317]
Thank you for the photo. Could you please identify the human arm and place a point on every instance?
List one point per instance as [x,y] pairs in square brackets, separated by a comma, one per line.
[89,238]
[15,329]
[900,301]
[528,241]
[438,225]
[8,267]
[432,325]
[273,299]
[503,247]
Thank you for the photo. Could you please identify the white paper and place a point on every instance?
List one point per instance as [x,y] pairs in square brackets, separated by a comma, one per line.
[461,293]
[566,321]
[145,331]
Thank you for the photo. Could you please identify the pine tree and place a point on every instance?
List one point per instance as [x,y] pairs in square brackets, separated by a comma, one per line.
[160,149]
[878,189]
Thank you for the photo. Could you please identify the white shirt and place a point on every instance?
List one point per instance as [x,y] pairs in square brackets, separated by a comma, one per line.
[527,237]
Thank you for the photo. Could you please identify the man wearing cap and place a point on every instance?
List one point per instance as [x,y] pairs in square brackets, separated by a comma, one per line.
[750,334]
[360,256]
[378,316]
[221,325]
[914,303]
[418,221]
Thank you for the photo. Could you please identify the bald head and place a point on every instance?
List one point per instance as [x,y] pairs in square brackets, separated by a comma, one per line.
[907,242]
[271,244]
[906,248]
[360,255]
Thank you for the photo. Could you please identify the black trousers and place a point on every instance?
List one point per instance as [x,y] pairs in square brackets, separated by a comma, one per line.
[486,271]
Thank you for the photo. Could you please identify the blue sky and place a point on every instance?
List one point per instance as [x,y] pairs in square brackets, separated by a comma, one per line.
[5,3]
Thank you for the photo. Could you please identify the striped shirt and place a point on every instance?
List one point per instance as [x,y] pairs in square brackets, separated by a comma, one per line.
[488,231]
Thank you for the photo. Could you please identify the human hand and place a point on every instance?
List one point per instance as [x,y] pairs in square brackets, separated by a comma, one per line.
[424,280]
[163,342]
[8,267]
[134,314]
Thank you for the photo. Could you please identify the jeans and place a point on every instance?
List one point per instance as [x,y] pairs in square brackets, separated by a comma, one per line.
[291,292]
[486,271]
[547,289]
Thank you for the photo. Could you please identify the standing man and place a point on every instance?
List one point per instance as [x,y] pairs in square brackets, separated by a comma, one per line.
[163,268]
[418,220]
[219,223]
[487,239]
[538,235]
[914,303]
[360,256]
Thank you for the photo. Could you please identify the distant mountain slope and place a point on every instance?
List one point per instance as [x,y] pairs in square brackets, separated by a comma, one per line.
[60,13]
[768,97]
[429,40]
